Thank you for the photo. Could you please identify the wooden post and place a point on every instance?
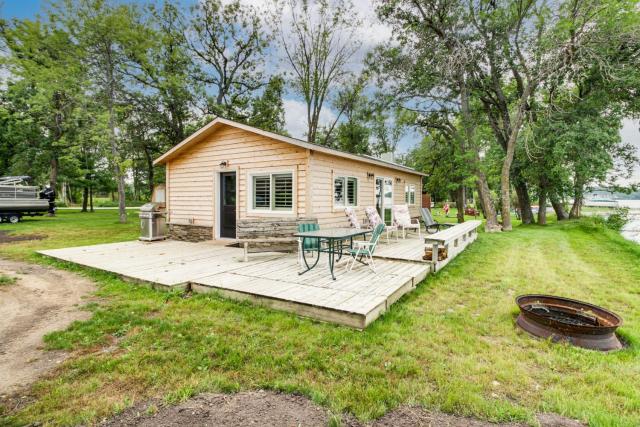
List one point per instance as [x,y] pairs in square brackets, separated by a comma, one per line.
[434,256]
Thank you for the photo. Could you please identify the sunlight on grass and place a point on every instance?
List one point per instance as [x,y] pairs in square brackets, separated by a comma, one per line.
[450,345]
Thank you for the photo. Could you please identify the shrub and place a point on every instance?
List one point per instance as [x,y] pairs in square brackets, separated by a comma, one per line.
[618,219]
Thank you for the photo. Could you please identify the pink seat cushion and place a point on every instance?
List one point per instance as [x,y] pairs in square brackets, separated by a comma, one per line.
[353,218]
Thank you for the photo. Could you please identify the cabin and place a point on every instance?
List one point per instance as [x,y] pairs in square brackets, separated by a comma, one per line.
[229,181]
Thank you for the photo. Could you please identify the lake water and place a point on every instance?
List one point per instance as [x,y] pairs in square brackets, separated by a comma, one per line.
[631,229]
[631,204]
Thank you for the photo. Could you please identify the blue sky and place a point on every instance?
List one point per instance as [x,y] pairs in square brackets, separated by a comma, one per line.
[29,8]
[19,8]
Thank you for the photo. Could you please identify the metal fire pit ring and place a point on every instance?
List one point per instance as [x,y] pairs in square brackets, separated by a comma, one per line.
[562,319]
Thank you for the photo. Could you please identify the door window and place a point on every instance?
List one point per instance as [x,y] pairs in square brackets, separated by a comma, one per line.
[229,190]
[384,198]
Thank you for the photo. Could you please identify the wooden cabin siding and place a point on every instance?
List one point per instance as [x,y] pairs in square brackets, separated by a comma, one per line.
[192,177]
[324,167]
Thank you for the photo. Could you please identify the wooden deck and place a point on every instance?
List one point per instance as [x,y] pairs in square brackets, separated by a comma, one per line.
[413,248]
[355,299]
[409,249]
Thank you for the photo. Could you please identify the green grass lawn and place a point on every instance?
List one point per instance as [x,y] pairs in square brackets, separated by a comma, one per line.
[449,345]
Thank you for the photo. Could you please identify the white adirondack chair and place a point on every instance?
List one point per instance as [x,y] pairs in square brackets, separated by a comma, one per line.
[374,220]
[402,219]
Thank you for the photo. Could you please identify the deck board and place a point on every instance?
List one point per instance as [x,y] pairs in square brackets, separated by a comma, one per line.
[355,299]
[409,249]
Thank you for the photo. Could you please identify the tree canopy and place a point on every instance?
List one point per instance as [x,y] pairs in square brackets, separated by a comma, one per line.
[511,101]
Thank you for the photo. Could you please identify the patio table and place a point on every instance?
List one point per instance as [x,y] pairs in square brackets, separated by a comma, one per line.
[335,238]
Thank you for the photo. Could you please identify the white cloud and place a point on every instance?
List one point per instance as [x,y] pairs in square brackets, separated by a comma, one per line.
[373,31]
[295,115]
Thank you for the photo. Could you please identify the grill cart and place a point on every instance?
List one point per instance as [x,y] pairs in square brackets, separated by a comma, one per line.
[152,222]
[17,199]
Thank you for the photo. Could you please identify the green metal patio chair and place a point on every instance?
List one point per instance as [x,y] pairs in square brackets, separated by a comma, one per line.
[309,245]
[365,249]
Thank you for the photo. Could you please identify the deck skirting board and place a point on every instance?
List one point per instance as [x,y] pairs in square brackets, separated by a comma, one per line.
[353,320]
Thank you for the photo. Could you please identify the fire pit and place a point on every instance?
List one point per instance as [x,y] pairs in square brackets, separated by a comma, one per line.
[563,319]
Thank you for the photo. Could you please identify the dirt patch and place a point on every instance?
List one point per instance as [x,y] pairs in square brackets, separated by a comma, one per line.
[553,420]
[265,408]
[41,300]
[410,416]
[5,237]
[258,408]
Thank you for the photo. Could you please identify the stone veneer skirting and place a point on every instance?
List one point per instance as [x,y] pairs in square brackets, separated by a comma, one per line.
[190,233]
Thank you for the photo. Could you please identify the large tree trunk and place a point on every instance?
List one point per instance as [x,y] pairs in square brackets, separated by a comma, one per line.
[72,198]
[119,175]
[479,203]
[505,187]
[542,207]
[484,194]
[505,183]
[524,201]
[53,175]
[459,197]
[558,208]
[91,198]
[53,180]
[578,196]
[150,170]
[576,208]
[122,211]
[85,198]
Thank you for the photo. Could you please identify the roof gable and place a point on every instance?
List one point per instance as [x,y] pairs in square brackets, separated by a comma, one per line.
[199,135]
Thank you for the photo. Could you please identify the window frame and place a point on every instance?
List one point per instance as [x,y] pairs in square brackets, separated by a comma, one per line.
[271,210]
[345,186]
[409,190]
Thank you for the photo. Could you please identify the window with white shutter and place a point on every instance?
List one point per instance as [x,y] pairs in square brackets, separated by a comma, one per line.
[282,191]
[345,191]
[272,192]
[410,194]
[338,191]
[261,192]
[352,191]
